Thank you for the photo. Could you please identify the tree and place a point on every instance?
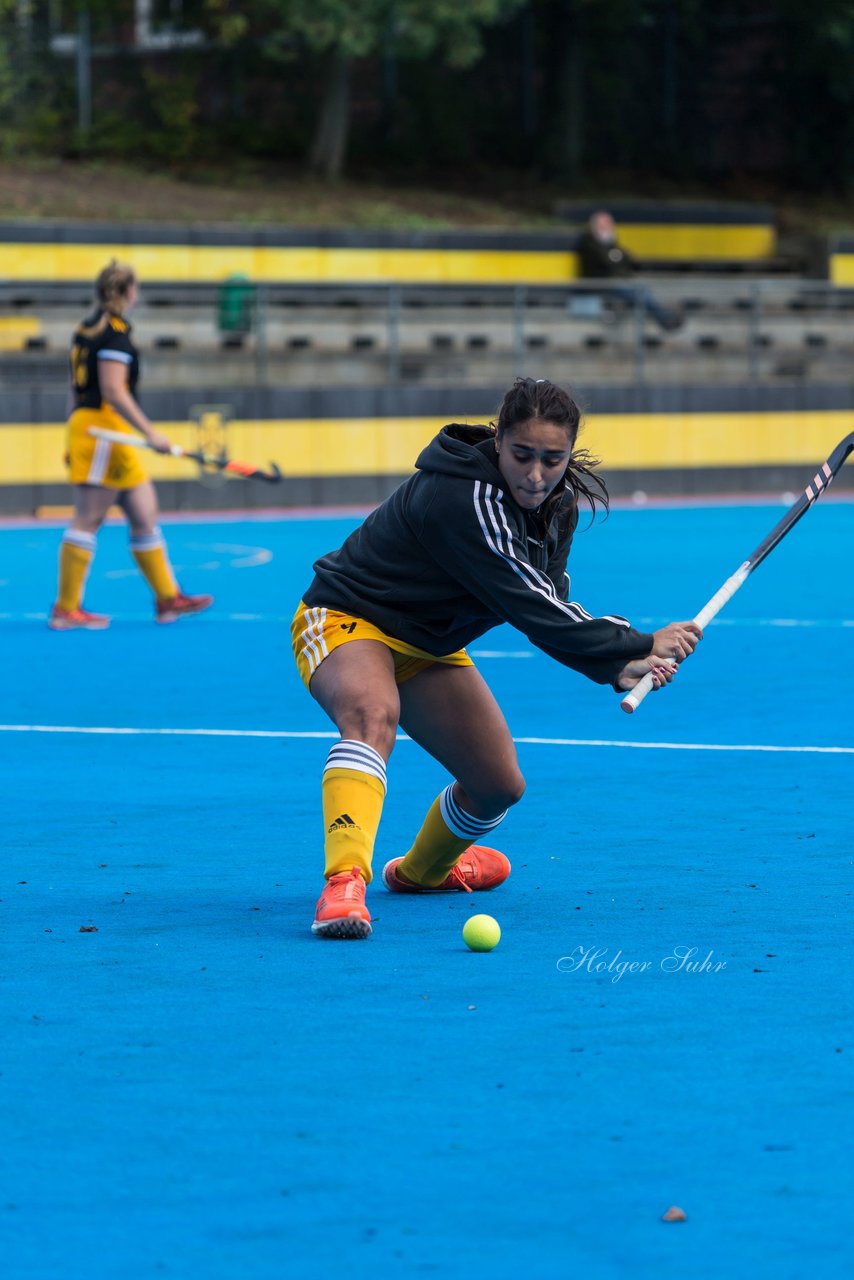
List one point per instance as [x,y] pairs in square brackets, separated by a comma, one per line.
[342,32]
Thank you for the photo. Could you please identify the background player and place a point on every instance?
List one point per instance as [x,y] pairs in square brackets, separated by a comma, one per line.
[104,374]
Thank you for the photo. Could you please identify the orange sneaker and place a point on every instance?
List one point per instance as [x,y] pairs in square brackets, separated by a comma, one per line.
[478,868]
[60,619]
[179,606]
[341,910]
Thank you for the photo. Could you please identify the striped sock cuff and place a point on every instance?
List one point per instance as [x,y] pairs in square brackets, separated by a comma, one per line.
[462,824]
[146,541]
[351,754]
[80,538]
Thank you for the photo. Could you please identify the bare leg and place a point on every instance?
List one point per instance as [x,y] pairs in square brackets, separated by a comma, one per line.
[148,548]
[451,713]
[140,507]
[91,504]
[355,686]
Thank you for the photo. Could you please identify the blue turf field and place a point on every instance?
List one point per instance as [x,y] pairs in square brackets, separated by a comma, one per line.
[200,1089]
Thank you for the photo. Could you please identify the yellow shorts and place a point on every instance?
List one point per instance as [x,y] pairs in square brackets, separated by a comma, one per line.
[91,461]
[315,632]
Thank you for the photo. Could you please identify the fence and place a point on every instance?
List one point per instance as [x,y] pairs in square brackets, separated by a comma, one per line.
[242,334]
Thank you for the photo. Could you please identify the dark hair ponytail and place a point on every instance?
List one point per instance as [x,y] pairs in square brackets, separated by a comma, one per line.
[530,399]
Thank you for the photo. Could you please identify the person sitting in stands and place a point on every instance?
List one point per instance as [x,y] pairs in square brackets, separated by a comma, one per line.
[603,257]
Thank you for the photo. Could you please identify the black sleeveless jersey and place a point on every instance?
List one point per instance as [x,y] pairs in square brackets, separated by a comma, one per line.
[102,336]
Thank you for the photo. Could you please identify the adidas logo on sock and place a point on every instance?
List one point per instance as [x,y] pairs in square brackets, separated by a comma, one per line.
[341,823]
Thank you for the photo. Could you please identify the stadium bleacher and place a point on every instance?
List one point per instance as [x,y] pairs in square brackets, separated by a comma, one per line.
[255,318]
[387,332]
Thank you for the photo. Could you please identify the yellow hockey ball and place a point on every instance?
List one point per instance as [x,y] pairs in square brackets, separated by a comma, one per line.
[481,933]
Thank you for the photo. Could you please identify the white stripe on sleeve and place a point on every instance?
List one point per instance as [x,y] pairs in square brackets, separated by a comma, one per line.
[498,536]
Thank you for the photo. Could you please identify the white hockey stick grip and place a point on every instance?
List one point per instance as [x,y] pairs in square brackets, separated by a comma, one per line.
[635,696]
[726,592]
[135,442]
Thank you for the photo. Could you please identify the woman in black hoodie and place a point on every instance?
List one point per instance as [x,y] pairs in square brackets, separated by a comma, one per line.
[479,535]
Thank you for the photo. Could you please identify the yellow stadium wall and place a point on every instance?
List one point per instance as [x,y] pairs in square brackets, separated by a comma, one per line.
[525,258]
[308,448]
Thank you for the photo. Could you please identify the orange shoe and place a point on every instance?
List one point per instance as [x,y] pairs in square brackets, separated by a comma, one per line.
[478,868]
[179,606]
[60,619]
[341,910]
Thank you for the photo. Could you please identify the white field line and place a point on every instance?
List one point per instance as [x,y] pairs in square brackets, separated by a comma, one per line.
[762,622]
[649,622]
[213,618]
[127,731]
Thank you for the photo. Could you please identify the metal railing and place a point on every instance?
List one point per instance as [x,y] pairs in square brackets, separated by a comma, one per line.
[735,331]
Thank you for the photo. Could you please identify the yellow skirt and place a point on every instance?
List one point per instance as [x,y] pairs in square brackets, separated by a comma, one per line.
[315,632]
[100,462]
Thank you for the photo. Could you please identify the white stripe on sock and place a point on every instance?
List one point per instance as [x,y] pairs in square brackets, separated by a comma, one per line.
[351,754]
[461,824]
[147,541]
[80,538]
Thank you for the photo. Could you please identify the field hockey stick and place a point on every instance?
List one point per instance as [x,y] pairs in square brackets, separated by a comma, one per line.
[218,462]
[820,481]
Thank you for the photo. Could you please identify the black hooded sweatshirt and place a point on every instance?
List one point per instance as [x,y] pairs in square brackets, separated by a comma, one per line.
[451,554]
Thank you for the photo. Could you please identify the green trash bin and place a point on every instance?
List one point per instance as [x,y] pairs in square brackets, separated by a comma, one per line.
[236,304]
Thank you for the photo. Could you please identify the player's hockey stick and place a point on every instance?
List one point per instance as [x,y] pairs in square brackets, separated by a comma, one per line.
[217,462]
[814,489]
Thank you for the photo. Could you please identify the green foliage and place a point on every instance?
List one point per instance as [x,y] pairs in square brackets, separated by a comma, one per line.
[452,29]
[172,99]
[118,134]
[358,28]
[226,26]
[7,80]
[10,77]
[561,90]
[349,31]
[31,112]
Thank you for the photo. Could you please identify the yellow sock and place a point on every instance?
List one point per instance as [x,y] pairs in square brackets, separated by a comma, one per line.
[75,556]
[353,793]
[447,832]
[150,554]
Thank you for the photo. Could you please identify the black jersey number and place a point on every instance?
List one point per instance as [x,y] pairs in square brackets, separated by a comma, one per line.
[349,627]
